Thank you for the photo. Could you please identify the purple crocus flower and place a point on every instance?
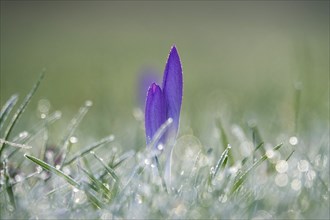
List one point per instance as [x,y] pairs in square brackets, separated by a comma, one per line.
[165,102]
[147,76]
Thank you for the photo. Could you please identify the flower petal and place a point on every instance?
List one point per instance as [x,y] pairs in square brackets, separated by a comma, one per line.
[147,76]
[155,111]
[173,88]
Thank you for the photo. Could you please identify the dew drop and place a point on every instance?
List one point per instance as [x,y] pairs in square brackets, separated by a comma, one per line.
[147,161]
[39,169]
[79,197]
[293,140]
[270,153]
[23,134]
[73,140]
[311,175]
[18,178]
[88,103]
[212,171]
[303,165]
[160,147]
[296,184]
[138,198]
[281,166]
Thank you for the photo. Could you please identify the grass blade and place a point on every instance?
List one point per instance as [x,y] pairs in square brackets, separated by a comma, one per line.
[257,140]
[93,199]
[6,109]
[224,138]
[90,148]
[108,169]
[23,146]
[9,186]
[242,176]
[52,169]
[222,161]
[71,129]
[97,183]
[19,111]
[122,158]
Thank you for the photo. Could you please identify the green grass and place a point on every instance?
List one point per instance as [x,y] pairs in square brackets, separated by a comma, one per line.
[263,179]
[254,129]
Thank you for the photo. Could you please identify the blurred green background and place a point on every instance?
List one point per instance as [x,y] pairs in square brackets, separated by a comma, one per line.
[240,59]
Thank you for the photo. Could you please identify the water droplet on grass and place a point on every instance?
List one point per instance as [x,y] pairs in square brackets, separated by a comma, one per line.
[311,175]
[138,198]
[88,103]
[270,153]
[73,140]
[23,134]
[281,166]
[79,197]
[39,169]
[296,184]
[147,161]
[293,140]
[18,178]
[303,165]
